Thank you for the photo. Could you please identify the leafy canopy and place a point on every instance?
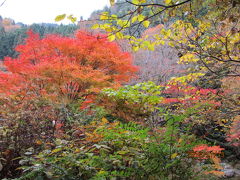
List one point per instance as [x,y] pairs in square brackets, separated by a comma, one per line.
[63,67]
[205,32]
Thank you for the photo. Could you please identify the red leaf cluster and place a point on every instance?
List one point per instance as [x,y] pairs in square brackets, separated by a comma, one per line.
[204,151]
[206,148]
[57,66]
[188,95]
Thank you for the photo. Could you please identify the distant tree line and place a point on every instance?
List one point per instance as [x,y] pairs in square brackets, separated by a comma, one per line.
[11,38]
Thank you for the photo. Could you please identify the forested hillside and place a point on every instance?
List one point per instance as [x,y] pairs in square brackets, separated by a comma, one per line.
[11,34]
[143,90]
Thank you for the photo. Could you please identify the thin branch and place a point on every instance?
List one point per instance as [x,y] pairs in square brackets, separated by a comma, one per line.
[3,3]
[160,5]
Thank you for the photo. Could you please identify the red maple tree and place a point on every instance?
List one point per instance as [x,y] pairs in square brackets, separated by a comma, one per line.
[63,67]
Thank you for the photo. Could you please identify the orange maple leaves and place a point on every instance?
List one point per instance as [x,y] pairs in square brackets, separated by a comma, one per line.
[71,68]
[203,148]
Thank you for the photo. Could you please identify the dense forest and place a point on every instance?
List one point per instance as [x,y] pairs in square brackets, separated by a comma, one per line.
[143,89]
[12,34]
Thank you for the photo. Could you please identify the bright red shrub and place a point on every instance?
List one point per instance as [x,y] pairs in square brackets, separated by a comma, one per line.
[203,148]
[59,67]
[190,95]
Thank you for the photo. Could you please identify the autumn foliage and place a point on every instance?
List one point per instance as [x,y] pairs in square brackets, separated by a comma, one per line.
[65,68]
[65,115]
[40,88]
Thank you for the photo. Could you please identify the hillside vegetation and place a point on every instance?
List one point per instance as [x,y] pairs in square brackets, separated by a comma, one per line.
[151,91]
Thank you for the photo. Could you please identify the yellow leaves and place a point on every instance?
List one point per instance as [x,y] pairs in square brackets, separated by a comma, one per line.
[151,47]
[224,120]
[115,123]
[166,33]
[146,24]
[104,16]
[160,42]
[120,22]
[107,27]
[216,160]
[188,58]
[171,44]
[148,45]
[72,18]
[178,23]
[191,77]
[112,2]
[114,17]
[216,164]
[60,17]
[56,150]
[123,23]
[140,17]
[119,35]
[134,19]
[168,2]
[174,155]
[111,37]
[93,137]
[224,123]
[234,38]
[135,48]
[95,26]
[104,121]
[139,1]
[102,172]
[38,142]
[135,1]
[203,26]
[122,152]
[77,150]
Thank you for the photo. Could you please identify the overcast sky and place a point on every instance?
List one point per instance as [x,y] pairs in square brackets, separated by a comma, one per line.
[38,11]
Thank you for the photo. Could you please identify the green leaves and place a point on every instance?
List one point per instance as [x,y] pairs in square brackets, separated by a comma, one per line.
[60,17]
[138,99]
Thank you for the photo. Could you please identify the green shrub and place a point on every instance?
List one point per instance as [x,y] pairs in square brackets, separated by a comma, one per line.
[124,151]
[132,103]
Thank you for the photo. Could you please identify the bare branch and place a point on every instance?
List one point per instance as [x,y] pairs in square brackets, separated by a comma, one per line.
[159,5]
[3,3]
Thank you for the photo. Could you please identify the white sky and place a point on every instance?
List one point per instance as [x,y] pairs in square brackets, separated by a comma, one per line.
[38,11]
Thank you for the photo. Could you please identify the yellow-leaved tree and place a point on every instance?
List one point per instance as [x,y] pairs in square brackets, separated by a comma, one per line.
[205,32]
